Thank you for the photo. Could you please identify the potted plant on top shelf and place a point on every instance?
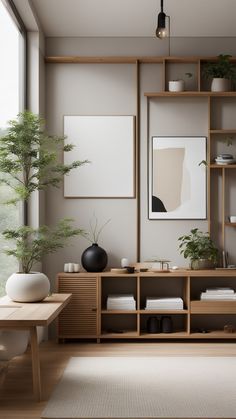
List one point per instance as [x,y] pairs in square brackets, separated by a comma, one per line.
[200,249]
[29,162]
[222,72]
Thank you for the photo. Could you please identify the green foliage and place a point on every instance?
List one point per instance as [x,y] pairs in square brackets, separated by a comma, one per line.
[32,244]
[223,68]
[30,156]
[198,245]
[29,161]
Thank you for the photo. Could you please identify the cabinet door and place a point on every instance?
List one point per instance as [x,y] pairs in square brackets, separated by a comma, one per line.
[79,318]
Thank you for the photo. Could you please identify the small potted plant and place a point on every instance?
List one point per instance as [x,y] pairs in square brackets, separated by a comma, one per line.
[199,248]
[29,162]
[222,72]
[179,84]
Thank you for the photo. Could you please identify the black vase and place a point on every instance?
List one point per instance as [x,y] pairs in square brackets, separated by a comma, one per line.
[94,258]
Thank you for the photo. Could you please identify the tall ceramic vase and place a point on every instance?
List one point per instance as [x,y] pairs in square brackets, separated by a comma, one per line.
[94,258]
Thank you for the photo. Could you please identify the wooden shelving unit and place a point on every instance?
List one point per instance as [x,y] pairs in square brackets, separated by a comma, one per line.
[86,316]
[214,134]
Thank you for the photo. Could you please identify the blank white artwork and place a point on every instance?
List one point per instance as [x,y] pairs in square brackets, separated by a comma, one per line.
[108,143]
[177,183]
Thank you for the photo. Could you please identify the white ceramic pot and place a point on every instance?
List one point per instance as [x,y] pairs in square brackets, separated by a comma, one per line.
[176,86]
[27,288]
[220,85]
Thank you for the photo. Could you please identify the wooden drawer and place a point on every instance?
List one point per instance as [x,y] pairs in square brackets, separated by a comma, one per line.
[213,307]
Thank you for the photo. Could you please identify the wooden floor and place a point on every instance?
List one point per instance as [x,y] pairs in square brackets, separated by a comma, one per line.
[16,398]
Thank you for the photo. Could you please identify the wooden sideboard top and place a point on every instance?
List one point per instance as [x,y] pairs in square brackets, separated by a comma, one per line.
[173,273]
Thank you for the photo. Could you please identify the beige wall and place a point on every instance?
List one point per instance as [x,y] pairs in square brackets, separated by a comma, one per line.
[104,89]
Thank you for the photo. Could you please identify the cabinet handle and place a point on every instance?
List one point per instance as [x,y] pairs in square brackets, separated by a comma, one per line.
[94,309]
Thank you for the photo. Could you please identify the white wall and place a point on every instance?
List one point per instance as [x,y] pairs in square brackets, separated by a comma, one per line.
[104,89]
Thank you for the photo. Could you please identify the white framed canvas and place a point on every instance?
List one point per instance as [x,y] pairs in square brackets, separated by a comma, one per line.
[177,183]
[108,142]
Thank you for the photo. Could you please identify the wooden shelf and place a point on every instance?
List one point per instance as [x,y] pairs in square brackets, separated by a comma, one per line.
[126,334]
[148,312]
[213,307]
[222,131]
[173,335]
[119,311]
[70,59]
[227,223]
[190,94]
[216,334]
[222,166]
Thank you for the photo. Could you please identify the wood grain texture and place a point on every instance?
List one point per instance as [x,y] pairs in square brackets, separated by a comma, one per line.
[85,315]
[33,314]
[80,316]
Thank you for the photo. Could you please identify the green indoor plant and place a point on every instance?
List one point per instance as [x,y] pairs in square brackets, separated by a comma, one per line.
[29,162]
[199,248]
[221,72]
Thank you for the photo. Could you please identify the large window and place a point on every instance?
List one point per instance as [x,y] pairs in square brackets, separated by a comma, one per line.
[12,101]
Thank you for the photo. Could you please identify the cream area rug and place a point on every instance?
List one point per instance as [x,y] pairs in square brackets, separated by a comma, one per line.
[153,387]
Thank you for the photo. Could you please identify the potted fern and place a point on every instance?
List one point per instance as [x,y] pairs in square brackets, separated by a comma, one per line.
[222,72]
[199,248]
[29,163]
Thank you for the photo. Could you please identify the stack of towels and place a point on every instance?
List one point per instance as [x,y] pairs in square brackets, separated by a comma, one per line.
[121,302]
[154,303]
[218,294]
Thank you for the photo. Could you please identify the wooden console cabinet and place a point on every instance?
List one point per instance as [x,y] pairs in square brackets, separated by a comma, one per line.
[86,315]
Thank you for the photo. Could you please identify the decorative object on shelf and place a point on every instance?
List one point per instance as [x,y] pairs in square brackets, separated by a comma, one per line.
[181,192]
[119,270]
[94,258]
[159,265]
[225,159]
[178,85]
[163,26]
[109,143]
[232,218]
[27,164]
[153,325]
[121,302]
[218,294]
[169,303]
[124,262]
[229,328]
[224,259]
[71,267]
[166,324]
[222,73]
[130,269]
[199,248]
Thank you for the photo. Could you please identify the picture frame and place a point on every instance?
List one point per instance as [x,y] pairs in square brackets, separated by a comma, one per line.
[108,143]
[177,179]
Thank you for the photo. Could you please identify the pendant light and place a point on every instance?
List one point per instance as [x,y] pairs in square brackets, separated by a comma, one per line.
[163,25]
